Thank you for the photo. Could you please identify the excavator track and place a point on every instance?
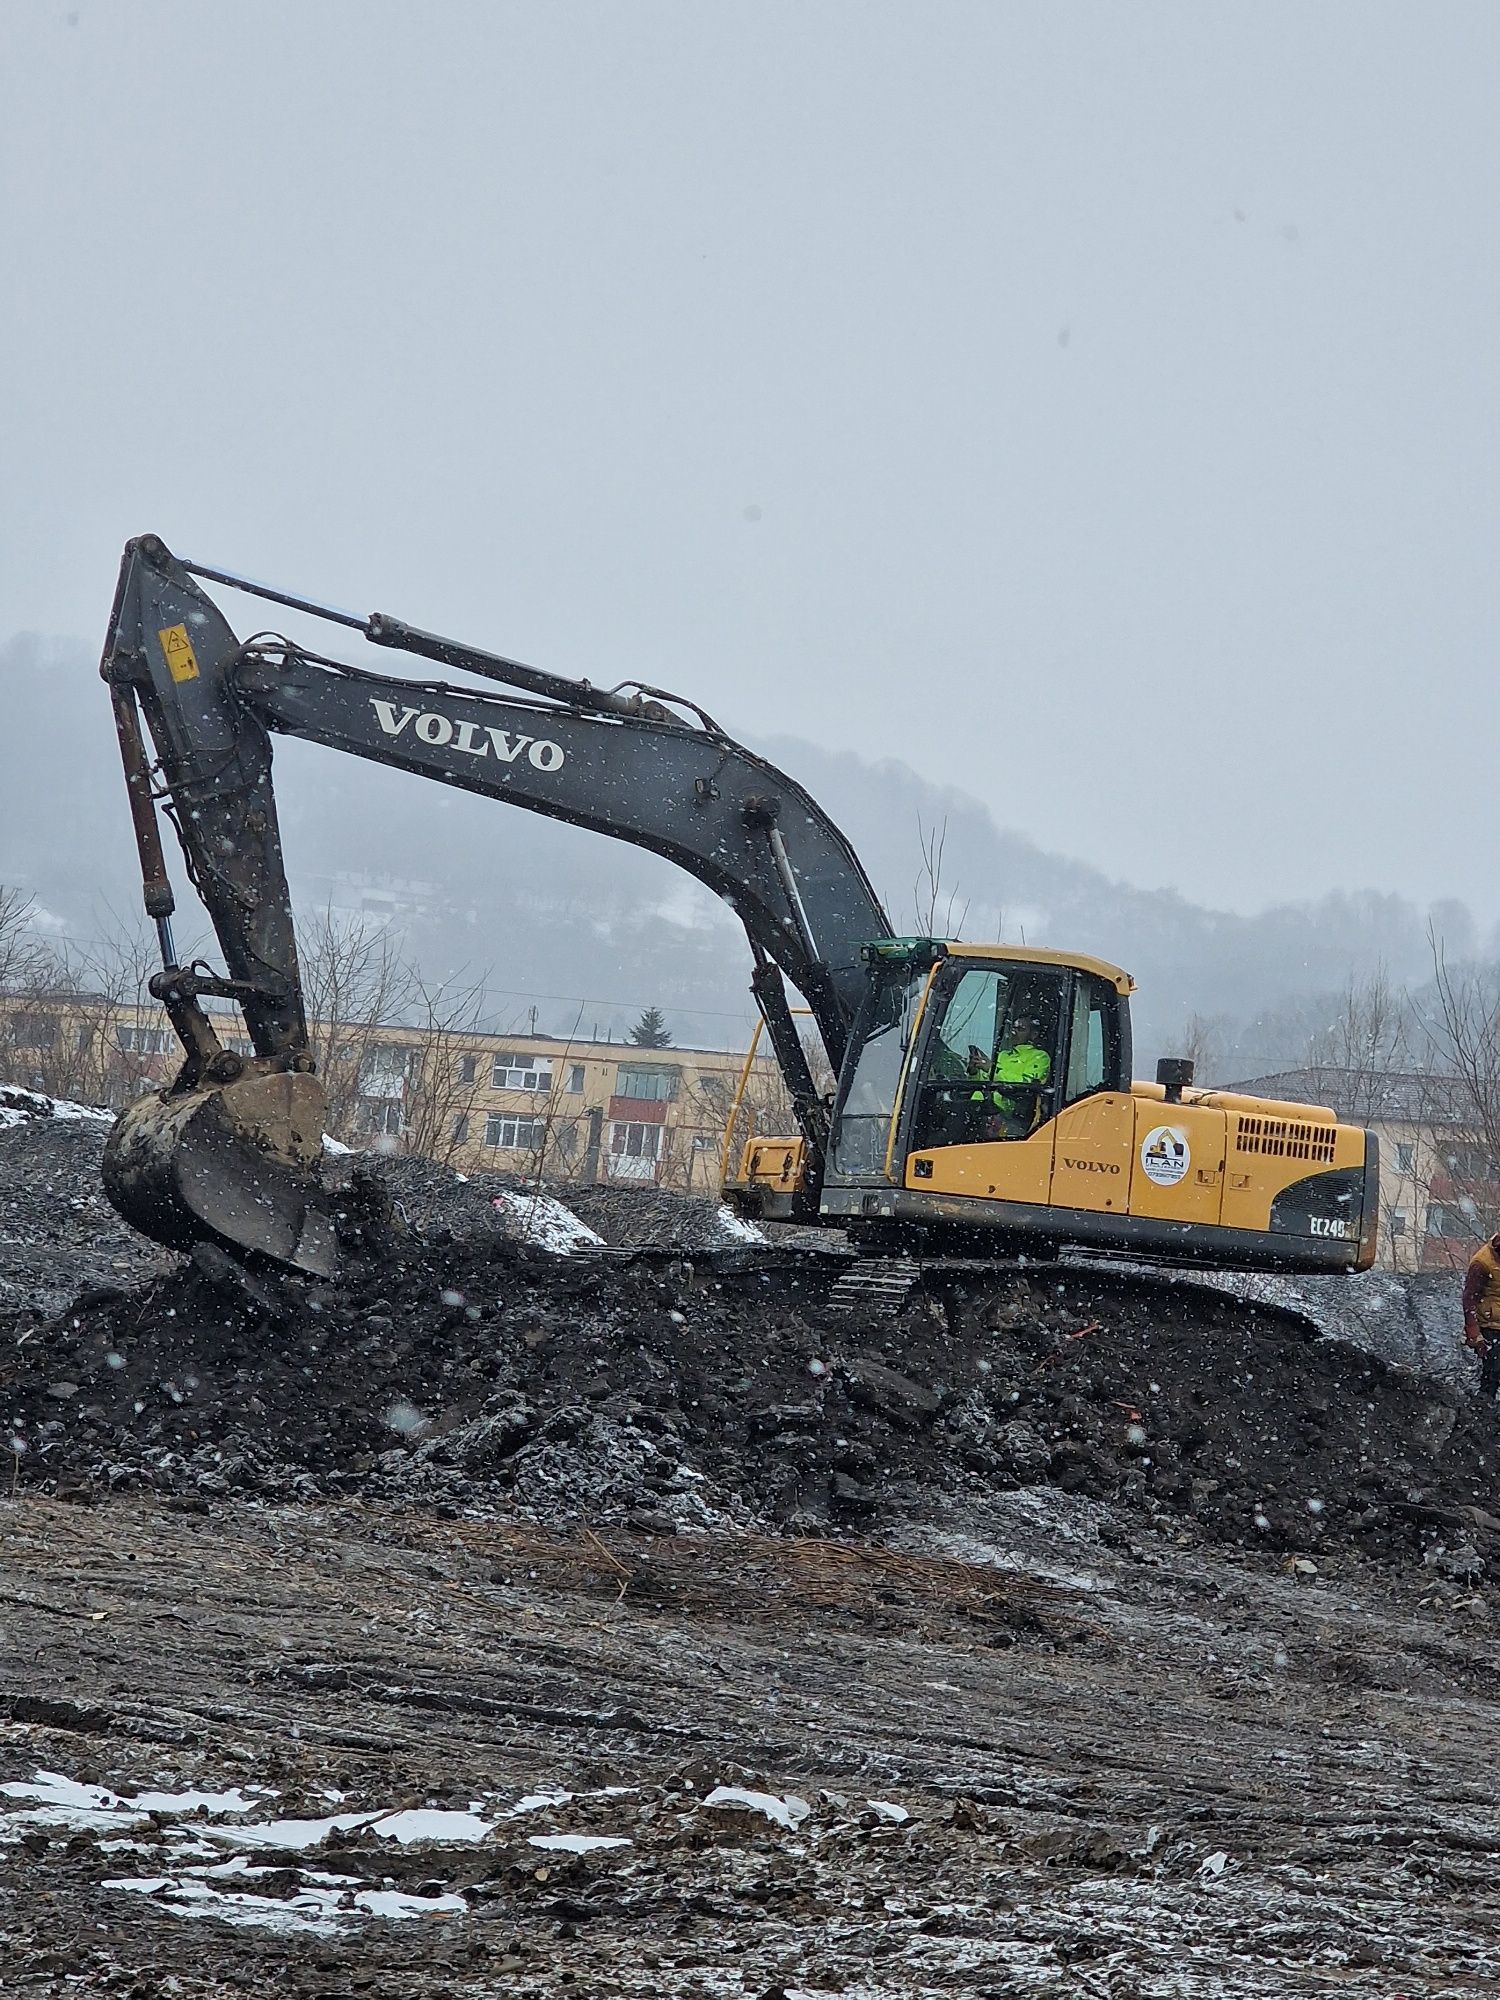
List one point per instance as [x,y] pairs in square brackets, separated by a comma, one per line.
[879,1286]
[882,1287]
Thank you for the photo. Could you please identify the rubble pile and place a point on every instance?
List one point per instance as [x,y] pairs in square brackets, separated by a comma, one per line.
[453,1207]
[635,1358]
[632,1217]
[668,1391]
[58,1234]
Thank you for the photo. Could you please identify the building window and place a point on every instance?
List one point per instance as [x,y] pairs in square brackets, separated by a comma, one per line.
[1405,1154]
[1450,1225]
[466,1069]
[634,1150]
[1398,1222]
[382,1120]
[635,1142]
[34,1031]
[655,1086]
[461,1129]
[513,1072]
[565,1143]
[383,1072]
[515,1135]
[144,1041]
[575,1079]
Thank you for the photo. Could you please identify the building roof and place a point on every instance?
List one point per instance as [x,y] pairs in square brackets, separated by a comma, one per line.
[1398,1097]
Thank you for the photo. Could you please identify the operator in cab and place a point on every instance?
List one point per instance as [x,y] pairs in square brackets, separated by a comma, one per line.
[1022,1059]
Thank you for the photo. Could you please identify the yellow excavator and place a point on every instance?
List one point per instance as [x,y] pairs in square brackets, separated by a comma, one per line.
[983,1104]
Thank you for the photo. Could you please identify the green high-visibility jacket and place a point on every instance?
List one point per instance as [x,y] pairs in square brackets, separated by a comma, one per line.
[1025,1063]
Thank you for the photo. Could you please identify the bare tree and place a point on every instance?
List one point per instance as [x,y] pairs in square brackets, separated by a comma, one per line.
[1465,1033]
[936,911]
[71,1013]
[445,1075]
[22,955]
[355,987]
[1367,1042]
[1362,1060]
[1201,1039]
[765,1111]
[563,1130]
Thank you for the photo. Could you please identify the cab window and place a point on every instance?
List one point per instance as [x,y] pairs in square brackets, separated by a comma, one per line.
[880,1041]
[977,1083]
[968,1024]
[1092,1059]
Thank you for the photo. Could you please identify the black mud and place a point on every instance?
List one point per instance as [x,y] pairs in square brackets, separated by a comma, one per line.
[668,1391]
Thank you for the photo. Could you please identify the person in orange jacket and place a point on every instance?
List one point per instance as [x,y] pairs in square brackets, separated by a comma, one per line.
[1482,1312]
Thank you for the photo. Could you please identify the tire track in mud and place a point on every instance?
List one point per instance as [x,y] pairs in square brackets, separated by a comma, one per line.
[1069,1789]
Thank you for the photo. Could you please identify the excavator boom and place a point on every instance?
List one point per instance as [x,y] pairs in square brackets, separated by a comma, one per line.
[621,763]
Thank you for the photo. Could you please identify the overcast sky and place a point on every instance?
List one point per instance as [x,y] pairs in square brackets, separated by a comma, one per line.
[1093,405]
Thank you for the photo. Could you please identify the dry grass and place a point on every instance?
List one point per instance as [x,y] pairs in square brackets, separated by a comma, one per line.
[748,1576]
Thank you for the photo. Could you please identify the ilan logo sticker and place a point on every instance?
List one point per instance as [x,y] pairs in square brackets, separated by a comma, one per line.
[1165,1155]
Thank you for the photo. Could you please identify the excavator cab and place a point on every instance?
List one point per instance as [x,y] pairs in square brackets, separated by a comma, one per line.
[959,1064]
[986,1106]
[958,1047]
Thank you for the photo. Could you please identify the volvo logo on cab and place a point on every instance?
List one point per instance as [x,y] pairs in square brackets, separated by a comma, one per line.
[1091,1166]
[472,738]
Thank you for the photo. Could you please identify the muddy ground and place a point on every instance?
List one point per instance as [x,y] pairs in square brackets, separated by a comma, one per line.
[639,1621]
[995,1757]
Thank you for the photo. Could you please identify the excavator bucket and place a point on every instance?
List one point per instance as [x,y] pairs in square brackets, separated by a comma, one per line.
[232,1164]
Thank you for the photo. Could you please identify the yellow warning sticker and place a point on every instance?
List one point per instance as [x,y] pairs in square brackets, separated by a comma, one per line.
[182,661]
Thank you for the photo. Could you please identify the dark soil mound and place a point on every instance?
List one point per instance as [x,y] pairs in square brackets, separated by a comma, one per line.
[446,1206]
[670,1392]
[58,1234]
[633,1217]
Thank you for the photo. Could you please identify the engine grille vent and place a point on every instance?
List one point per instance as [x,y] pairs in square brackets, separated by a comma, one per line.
[1286,1139]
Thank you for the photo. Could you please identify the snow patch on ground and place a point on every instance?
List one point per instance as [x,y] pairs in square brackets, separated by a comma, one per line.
[788,1812]
[320,1910]
[18,1107]
[888,1811]
[52,1800]
[577,1843]
[406,1827]
[737,1229]
[534,1801]
[288,1836]
[185,1872]
[544,1221]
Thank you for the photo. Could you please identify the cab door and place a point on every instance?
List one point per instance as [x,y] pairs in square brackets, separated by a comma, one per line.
[952,1148]
[1093,1135]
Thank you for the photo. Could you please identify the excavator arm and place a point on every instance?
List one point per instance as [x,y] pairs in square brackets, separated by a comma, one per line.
[623,762]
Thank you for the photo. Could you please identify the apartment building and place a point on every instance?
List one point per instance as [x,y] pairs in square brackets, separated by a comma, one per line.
[592,1111]
[529,1103]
